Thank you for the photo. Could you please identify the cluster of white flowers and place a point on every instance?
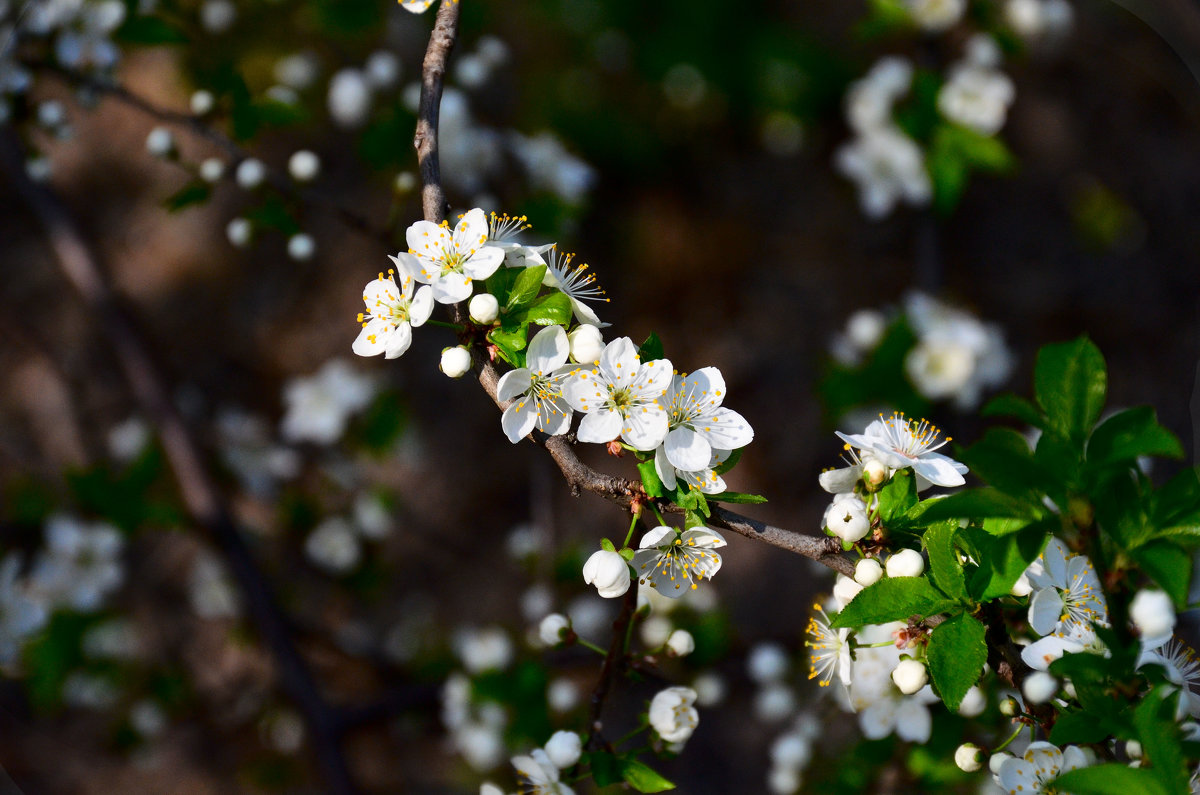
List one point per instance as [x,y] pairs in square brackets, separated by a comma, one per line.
[956,356]
[1066,600]
[886,164]
[336,544]
[976,93]
[319,406]
[539,771]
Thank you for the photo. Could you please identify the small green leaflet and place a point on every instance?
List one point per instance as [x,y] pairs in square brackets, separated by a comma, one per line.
[651,349]
[738,497]
[890,599]
[643,778]
[526,287]
[956,656]
[1071,382]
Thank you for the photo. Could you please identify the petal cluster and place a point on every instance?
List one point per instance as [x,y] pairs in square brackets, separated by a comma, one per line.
[619,397]
[673,562]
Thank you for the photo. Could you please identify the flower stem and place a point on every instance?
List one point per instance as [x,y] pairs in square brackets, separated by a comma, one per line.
[444,324]
[658,513]
[629,535]
[631,735]
[1004,744]
[587,644]
[878,645]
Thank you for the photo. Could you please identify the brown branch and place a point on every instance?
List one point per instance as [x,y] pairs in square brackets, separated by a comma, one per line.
[608,669]
[202,499]
[433,73]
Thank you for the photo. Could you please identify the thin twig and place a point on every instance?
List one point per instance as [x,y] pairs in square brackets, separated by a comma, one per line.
[425,141]
[608,669]
[202,499]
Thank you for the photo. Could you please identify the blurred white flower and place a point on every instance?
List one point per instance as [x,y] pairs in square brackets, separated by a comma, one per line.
[349,98]
[319,406]
[672,714]
[484,649]
[334,546]
[81,563]
[22,613]
[888,167]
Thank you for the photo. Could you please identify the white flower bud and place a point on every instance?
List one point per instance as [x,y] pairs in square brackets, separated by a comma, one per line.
[874,473]
[655,630]
[792,750]
[39,169]
[239,232]
[562,695]
[550,631]
[845,589]
[212,169]
[710,689]
[405,182]
[1133,749]
[488,788]
[349,98]
[250,173]
[783,780]
[456,361]
[304,166]
[1040,687]
[609,572]
[968,757]
[847,518]
[564,749]
[1152,613]
[1009,707]
[910,676]
[1021,587]
[973,703]
[905,563]
[160,142]
[867,572]
[202,102]
[998,759]
[865,329]
[217,16]
[681,643]
[301,247]
[586,344]
[484,308]
[672,714]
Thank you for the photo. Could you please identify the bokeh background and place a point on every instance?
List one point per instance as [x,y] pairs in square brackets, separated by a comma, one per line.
[694,172]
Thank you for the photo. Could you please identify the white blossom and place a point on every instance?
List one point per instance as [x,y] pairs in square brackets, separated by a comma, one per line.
[973,703]
[829,654]
[846,517]
[320,405]
[160,142]
[1067,592]
[250,173]
[487,649]
[905,563]
[538,775]
[888,167]
[415,6]
[1153,614]
[766,662]
[349,98]
[882,709]
[900,442]
[202,102]
[910,676]
[587,344]
[552,627]
[334,546]
[1033,772]
[609,572]
[680,643]
[392,313]
[448,260]
[574,281]
[670,560]
[536,390]
[211,170]
[304,166]
[81,564]
[867,572]
[619,397]
[699,430]
[1182,670]
[844,590]
[672,714]
[968,757]
[1039,687]
[976,97]
[564,749]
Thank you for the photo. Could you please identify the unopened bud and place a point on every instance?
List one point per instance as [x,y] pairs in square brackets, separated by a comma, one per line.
[1009,707]
[874,473]
[455,362]
[681,643]
[552,627]
[1152,613]
[968,757]
[867,572]
[997,760]
[910,676]
[586,344]
[905,563]
[1040,687]
[160,142]
[484,309]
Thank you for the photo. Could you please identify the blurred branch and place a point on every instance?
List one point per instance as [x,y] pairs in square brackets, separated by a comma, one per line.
[616,651]
[202,499]
[199,128]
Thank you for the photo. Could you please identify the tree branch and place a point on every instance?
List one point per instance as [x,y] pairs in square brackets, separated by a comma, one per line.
[433,73]
[202,499]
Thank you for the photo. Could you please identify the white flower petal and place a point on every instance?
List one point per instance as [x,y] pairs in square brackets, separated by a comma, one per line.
[1045,609]
[724,429]
[513,383]
[645,428]
[654,537]
[452,288]
[600,427]
[939,470]
[398,341]
[619,361]
[519,419]
[666,472]
[585,389]
[687,450]
[840,481]
[557,420]
[471,231]
[548,350]
[421,307]
[371,339]
[484,263]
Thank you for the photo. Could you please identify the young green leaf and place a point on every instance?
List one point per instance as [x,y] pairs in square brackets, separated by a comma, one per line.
[1009,405]
[1003,459]
[550,310]
[1070,381]
[1113,778]
[195,192]
[651,349]
[606,768]
[1132,433]
[898,496]
[1003,559]
[650,480]
[945,569]
[956,656]
[607,545]
[980,504]
[738,497]
[642,777]
[1169,566]
[890,599]
[526,287]
[1154,720]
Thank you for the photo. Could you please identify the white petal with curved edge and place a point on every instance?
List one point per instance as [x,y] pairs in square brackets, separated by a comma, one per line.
[584,313]
[519,419]
[707,387]
[687,450]
[877,720]
[398,341]
[421,307]
[704,537]
[556,418]
[653,379]
[645,428]
[600,427]
[548,350]
[939,470]
[371,339]
[586,389]
[619,362]
[484,263]
[840,481]
[380,291]
[708,482]
[427,241]
[513,383]
[655,535]
[666,472]
[1039,654]
[407,268]
[452,288]
[1044,610]
[471,231]
[724,429]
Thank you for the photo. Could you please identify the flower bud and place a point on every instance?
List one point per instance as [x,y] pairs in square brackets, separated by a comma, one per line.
[845,589]
[968,757]
[1152,613]
[456,361]
[905,563]
[874,473]
[202,102]
[212,169]
[250,173]
[910,676]
[1040,687]
[681,643]
[973,703]
[239,231]
[301,247]
[867,572]
[1133,749]
[608,571]
[160,142]
[1009,707]
[846,518]
[550,631]
[405,182]
[1021,587]
[304,166]
[564,749]
[998,759]
[484,309]
[586,344]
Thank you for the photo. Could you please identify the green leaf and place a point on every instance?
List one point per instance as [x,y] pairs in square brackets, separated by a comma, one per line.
[1155,724]
[1003,559]
[526,287]
[607,545]
[980,504]
[551,310]
[626,553]
[729,463]
[606,768]
[1177,504]
[148,30]
[1169,566]
[1078,726]
[651,349]
[1113,778]
[512,339]
[945,569]
[738,497]
[1003,459]
[643,778]
[1009,405]
[501,282]
[1070,380]
[650,480]
[898,496]
[195,192]
[956,656]
[273,214]
[1131,433]
[890,599]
